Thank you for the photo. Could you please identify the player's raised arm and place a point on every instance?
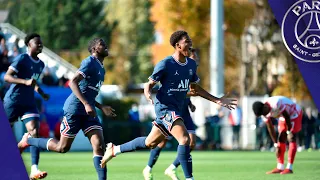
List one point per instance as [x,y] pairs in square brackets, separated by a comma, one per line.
[196,89]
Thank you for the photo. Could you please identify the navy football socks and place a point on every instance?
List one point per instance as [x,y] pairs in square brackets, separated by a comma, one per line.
[154,154]
[39,142]
[102,172]
[35,154]
[136,144]
[185,160]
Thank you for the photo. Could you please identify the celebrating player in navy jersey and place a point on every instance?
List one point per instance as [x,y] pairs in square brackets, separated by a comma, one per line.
[175,73]
[19,101]
[79,111]
[190,126]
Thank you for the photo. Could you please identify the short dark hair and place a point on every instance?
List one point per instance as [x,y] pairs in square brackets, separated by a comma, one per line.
[92,43]
[257,108]
[176,37]
[29,37]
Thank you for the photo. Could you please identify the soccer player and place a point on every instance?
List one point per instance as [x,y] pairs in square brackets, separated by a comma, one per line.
[190,126]
[175,73]
[19,101]
[289,116]
[79,111]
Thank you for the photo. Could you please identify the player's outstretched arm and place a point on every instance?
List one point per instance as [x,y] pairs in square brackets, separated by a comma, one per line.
[10,78]
[148,88]
[196,89]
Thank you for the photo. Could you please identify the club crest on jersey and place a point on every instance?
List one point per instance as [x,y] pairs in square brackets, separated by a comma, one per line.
[190,72]
[300,30]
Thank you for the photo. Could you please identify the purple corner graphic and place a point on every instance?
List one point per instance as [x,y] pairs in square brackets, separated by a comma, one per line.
[300,27]
[11,166]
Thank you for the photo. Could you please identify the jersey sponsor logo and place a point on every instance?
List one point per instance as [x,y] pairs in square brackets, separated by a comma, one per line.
[182,86]
[97,87]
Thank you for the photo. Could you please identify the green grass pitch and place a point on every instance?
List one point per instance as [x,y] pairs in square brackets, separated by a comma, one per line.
[206,166]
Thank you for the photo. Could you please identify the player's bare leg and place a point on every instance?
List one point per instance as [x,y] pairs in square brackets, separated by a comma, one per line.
[62,146]
[291,154]
[180,132]
[154,154]
[151,141]
[97,141]
[35,173]
[281,151]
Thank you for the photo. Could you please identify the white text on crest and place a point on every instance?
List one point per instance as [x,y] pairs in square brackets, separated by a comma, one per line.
[305,7]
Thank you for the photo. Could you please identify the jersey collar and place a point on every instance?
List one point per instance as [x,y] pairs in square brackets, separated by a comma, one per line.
[181,64]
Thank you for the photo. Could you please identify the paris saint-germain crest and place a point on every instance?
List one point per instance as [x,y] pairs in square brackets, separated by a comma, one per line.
[301,30]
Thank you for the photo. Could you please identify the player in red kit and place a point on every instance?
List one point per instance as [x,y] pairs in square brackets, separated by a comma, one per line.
[289,116]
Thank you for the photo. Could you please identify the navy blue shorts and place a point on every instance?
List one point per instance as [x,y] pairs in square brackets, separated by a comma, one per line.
[73,123]
[25,113]
[165,120]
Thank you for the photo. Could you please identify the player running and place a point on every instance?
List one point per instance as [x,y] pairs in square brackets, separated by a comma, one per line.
[19,101]
[289,116]
[79,109]
[175,73]
[171,171]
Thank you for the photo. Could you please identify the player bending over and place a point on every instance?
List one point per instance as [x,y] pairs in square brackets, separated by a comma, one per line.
[175,74]
[79,109]
[289,116]
[19,101]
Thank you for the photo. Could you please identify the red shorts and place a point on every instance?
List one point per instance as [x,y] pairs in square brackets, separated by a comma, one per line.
[296,124]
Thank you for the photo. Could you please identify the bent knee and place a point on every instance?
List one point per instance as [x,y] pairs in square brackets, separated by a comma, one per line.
[185,140]
[63,149]
[34,132]
[151,145]
[192,145]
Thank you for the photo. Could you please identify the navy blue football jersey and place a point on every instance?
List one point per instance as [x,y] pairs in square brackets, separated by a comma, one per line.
[93,73]
[26,68]
[175,78]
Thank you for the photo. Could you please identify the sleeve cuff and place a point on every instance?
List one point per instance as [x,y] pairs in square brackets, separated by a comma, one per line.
[14,69]
[152,79]
[83,74]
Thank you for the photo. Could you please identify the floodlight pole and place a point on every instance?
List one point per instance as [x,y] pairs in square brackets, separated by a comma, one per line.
[216,48]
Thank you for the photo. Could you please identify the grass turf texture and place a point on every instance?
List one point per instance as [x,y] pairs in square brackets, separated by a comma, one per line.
[206,165]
